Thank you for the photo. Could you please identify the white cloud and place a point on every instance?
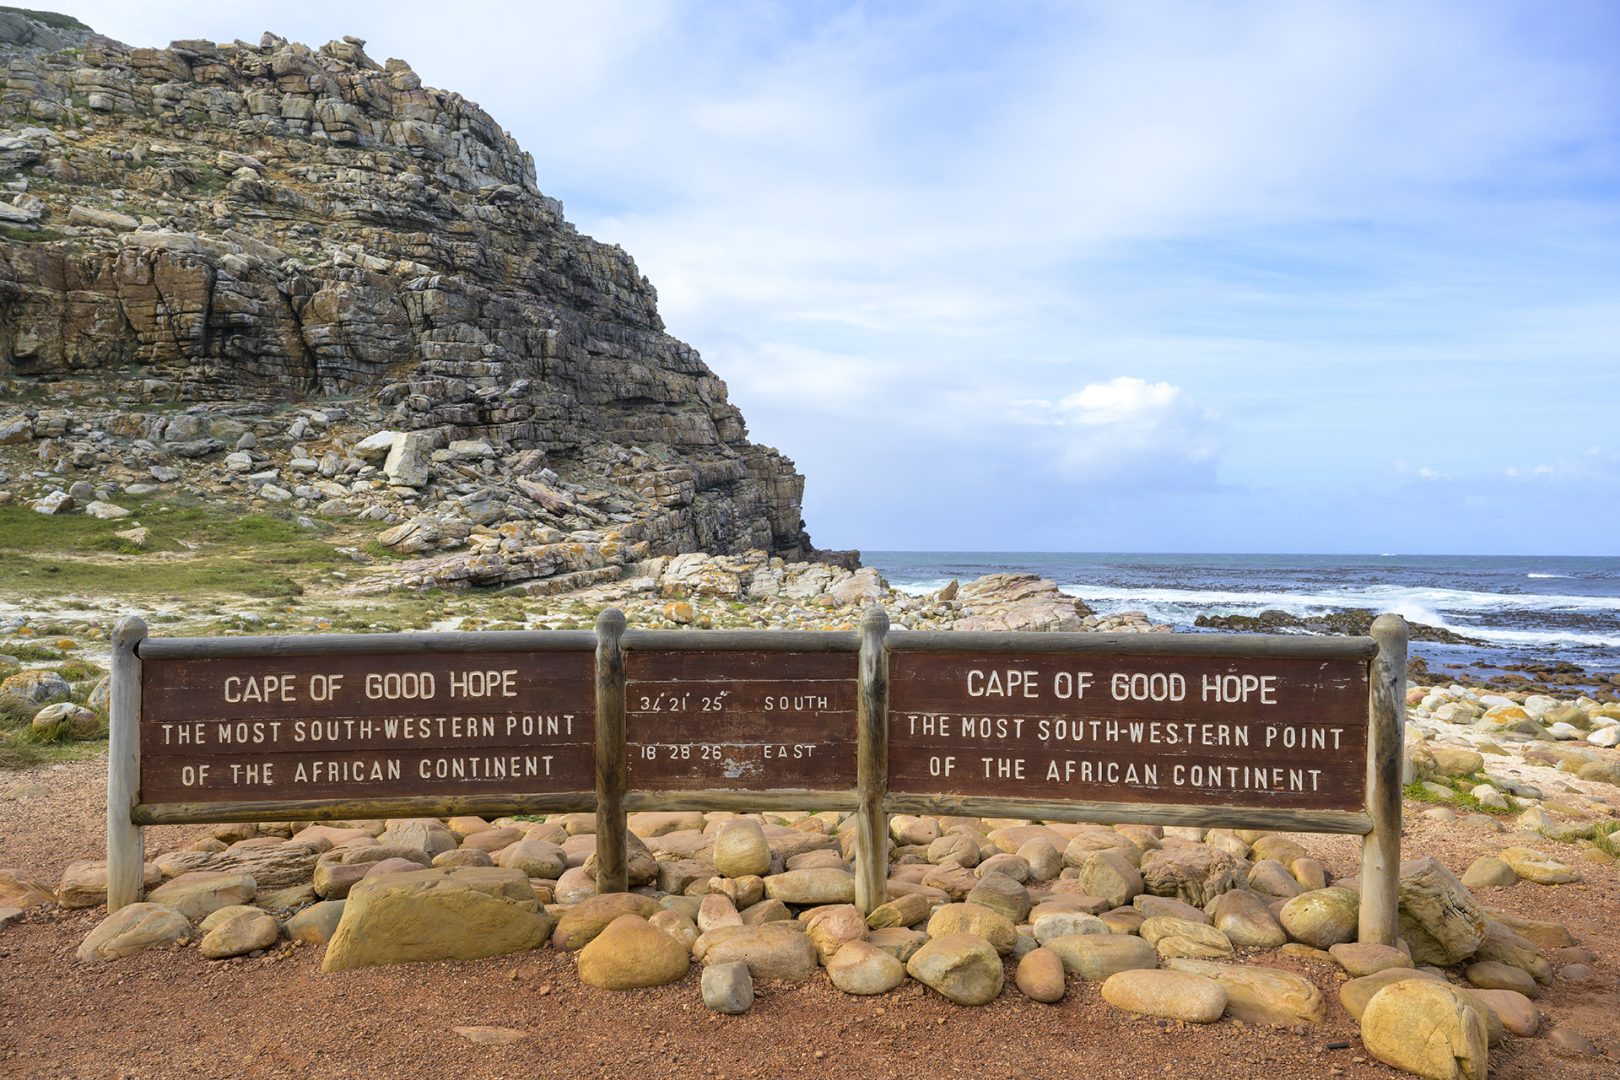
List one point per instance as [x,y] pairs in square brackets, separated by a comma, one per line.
[1128,429]
[1420,472]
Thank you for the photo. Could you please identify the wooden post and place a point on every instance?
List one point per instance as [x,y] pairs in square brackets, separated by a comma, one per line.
[1386,721]
[872,764]
[126,841]
[612,865]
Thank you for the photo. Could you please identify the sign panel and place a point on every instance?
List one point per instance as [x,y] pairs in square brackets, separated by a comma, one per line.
[367,727]
[748,721]
[1259,732]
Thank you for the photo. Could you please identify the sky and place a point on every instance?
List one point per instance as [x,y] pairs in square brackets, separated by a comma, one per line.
[1228,276]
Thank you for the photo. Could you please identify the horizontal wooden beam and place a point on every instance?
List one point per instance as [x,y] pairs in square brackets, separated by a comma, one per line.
[1237,646]
[1353,822]
[742,801]
[568,802]
[743,640]
[368,644]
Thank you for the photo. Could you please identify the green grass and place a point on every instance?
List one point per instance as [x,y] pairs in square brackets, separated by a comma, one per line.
[212,549]
[1464,800]
[21,235]
[207,179]
[53,19]
[26,750]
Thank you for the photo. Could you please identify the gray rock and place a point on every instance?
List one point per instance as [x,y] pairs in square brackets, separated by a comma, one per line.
[728,988]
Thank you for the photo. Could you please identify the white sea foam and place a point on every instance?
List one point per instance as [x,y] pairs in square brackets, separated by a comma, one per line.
[920,588]
[1544,576]
[1414,603]
[1447,609]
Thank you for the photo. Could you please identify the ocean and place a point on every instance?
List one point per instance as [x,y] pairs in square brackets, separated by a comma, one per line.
[1524,608]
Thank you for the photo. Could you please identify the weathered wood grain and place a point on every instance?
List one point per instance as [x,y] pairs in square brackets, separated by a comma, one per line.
[1228,645]
[872,780]
[741,720]
[126,842]
[1209,730]
[1381,849]
[612,845]
[1111,813]
[461,641]
[491,806]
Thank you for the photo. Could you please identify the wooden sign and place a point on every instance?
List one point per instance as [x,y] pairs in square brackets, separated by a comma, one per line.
[353,726]
[1203,730]
[746,721]
[1195,730]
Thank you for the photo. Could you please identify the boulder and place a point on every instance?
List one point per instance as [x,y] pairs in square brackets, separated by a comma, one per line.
[1367,958]
[860,967]
[1195,874]
[17,891]
[1095,957]
[273,865]
[631,953]
[244,932]
[1495,975]
[1355,994]
[832,926]
[1426,1028]
[578,925]
[132,929]
[76,720]
[84,883]
[1171,995]
[1516,1012]
[316,924]
[1112,877]
[1041,976]
[1505,945]
[1487,871]
[897,941]
[1002,894]
[536,858]
[1171,937]
[202,892]
[677,925]
[728,988]
[1438,918]
[1246,920]
[905,910]
[823,885]
[443,913]
[965,968]
[1056,924]
[740,849]
[35,688]
[1321,918]
[983,922]
[1539,867]
[776,950]
[1261,995]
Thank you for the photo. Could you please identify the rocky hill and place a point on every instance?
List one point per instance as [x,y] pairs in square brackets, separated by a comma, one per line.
[297,278]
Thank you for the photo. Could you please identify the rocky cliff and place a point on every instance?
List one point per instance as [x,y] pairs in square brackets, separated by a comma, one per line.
[229,265]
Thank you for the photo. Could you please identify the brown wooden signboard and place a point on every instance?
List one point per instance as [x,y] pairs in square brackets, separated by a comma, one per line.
[1199,730]
[744,721]
[353,726]
[1194,730]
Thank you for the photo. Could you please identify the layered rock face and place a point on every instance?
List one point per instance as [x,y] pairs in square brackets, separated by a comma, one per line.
[266,224]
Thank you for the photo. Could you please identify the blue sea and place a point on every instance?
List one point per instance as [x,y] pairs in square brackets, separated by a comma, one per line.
[1526,609]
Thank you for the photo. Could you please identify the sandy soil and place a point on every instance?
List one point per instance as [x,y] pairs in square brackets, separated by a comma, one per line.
[170,1013]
